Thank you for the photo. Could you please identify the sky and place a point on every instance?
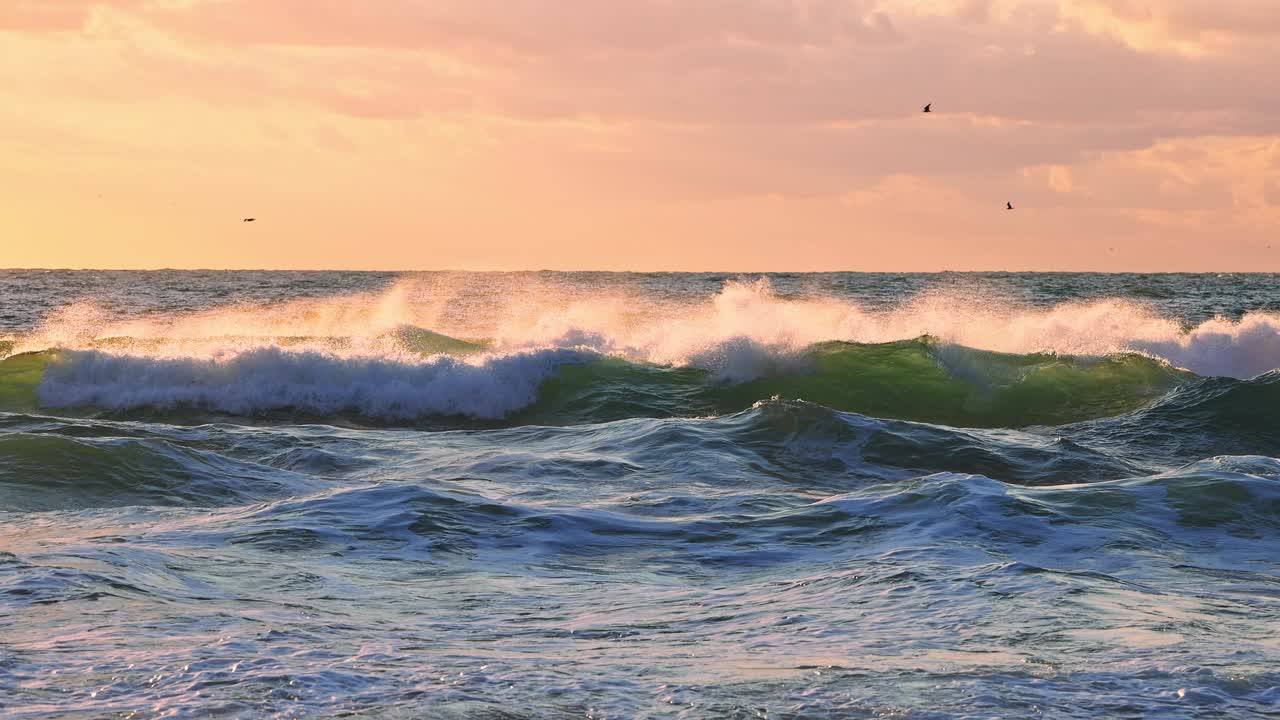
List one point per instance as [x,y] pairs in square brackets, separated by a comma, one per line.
[732,135]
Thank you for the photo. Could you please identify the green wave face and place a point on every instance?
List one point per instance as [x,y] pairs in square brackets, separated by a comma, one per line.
[919,380]
[20,375]
[41,472]
[908,380]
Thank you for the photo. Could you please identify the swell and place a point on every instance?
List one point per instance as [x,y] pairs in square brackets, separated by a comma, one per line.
[43,471]
[738,470]
[767,529]
[720,509]
[1208,416]
[920,380]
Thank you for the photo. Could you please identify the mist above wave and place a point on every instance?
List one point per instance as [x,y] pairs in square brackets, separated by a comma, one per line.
[744,331]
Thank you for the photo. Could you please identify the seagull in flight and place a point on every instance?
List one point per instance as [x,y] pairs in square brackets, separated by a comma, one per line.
[926,107]
[248,220]
[1008,206]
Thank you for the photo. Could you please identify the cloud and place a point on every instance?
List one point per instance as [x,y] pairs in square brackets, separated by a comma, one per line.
[798,96]
[54,15]
[1194,27]
[532,28]
[1131,115]
[783,63]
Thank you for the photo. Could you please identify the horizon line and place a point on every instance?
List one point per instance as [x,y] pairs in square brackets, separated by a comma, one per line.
[646,272]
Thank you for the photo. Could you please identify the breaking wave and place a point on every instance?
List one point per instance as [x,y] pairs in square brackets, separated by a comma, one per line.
[556,358]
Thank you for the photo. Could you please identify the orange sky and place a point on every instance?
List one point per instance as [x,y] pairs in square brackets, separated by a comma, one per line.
[640,134]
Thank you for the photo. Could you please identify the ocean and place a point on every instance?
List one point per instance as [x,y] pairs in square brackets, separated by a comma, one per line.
[595,495]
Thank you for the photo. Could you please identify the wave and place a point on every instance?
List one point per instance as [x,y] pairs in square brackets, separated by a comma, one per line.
[271,379]
[849,459]
[553,358]
[774,529]
[1202,502]
[520,313]
[752,316]
[1208,416]
[914,380]
[46,471]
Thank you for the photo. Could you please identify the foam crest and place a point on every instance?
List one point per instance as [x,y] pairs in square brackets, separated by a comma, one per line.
[747,330]
[271,379]
[741,333]
[1241,349]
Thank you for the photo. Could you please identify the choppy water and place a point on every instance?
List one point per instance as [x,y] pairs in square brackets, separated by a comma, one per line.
[655,495]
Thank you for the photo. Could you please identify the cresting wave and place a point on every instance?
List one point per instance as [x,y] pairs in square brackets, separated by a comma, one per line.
[563,359]
[914,380]
[268,379]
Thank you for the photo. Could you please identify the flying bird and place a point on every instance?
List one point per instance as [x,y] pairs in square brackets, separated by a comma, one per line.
[1008,206]
[926,107]
[248,219]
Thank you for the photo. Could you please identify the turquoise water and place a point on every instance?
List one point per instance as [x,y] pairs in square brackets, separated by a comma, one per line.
[579,495]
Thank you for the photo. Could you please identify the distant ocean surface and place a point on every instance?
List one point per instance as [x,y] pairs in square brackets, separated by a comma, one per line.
[593,495]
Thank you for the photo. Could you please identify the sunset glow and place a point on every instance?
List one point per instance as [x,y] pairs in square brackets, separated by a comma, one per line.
[640,135]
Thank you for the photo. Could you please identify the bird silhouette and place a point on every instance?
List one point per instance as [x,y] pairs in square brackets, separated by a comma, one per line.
[249,219]
[1008,206]
[926,107]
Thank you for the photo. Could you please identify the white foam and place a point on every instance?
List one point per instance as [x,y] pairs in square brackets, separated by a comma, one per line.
[267,379]
[1242,349]
[747,330]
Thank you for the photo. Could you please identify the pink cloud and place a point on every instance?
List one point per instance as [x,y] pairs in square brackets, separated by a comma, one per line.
[53,15]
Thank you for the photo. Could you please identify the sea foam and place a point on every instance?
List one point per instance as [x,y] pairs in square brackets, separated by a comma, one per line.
[269,379]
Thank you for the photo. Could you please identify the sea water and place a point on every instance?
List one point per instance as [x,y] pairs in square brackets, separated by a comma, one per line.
[593,495]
